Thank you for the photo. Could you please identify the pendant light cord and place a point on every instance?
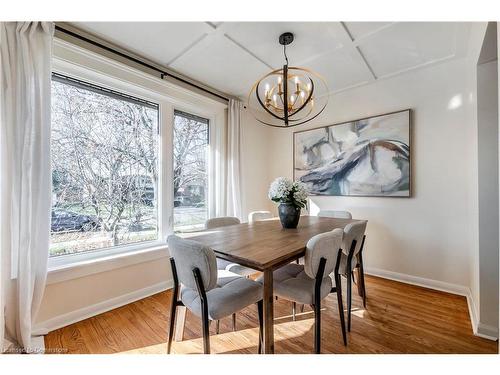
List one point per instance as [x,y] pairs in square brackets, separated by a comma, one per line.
[284,53]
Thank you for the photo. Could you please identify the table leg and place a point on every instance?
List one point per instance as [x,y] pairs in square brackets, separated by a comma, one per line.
[268,334]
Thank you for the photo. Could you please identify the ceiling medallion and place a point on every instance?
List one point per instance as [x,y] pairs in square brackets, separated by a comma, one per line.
[289,96]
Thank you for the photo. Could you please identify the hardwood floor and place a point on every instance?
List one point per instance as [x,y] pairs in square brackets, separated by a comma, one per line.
[399,318]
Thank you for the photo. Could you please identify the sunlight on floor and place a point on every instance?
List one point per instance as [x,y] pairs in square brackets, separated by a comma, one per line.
[298,315]
[360,313]
[241,340]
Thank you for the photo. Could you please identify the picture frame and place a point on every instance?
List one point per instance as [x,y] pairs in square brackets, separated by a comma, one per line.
[366,157]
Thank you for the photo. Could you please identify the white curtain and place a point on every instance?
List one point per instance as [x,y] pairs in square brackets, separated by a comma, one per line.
[233,181]
[25,187]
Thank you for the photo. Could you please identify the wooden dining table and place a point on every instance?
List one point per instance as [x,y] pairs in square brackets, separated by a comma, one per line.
[265,246]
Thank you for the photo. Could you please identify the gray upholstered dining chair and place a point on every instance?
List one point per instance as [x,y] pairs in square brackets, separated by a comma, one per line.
[352,258]
[335,214]
[310,283]
[259,216]
[226,265]
[222,264]
[332,214]
[217,222]
[205,291]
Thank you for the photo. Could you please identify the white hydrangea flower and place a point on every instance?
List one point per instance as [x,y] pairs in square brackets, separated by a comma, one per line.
[284,190]
[280,188]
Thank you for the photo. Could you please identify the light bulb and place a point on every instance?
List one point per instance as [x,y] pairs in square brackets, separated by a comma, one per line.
[279,79]
[266,90]
[309,86]
[297,80]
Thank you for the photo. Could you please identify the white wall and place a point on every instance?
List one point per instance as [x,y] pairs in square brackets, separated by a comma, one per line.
[255,164]
[428,235]
[487,125]
[487,92]
[498,139]
[72,300]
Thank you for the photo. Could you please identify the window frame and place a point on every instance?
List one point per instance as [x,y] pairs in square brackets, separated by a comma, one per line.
[79,63]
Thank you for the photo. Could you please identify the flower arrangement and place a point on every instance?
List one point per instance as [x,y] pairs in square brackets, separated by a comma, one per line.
[284,190]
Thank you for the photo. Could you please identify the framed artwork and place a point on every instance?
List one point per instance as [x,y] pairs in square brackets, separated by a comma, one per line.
[369,157]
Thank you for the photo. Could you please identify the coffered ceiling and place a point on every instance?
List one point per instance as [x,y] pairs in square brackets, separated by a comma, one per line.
[231,56]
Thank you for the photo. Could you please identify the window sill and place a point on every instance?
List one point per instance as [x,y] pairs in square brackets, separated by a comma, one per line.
[74,270]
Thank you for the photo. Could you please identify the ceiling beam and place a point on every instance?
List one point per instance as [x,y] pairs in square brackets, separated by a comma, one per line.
[356,47]
[248,51]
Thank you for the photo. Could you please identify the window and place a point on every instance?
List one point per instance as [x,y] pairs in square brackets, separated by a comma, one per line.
[190,175]
[104,168]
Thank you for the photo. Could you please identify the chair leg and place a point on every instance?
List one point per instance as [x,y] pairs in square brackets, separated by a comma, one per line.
[206,331]
[349,300]
[234,322]
[294,309]
[338,284]
[317,328]
[302,308]
[362,278]
[172,324]
[217,326]
[261,317]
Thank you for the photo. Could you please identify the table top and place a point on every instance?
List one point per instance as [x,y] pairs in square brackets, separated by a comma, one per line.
[265,244]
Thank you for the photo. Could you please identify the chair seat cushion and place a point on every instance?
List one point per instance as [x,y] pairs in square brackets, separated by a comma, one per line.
[232,294]
[291,283]
[236,268]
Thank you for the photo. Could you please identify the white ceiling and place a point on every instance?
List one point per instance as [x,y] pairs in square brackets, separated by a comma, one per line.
[231,56]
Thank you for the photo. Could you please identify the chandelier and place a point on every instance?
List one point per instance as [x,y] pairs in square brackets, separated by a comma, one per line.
[289,96]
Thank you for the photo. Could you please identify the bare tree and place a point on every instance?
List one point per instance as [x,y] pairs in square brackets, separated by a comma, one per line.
[105,158]
[190,147]
[102,147]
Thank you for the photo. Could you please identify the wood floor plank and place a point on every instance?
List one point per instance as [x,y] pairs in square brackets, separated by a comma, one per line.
[399,318]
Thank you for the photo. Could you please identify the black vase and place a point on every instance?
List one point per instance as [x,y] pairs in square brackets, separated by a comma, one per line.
[289,215]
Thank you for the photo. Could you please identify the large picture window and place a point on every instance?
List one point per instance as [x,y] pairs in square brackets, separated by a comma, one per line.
[191,145]
[104,168]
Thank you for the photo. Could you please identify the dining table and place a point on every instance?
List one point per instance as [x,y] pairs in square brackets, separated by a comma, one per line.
[266,246]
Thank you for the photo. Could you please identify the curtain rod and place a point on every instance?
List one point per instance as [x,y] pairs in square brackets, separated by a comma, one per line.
[137,61]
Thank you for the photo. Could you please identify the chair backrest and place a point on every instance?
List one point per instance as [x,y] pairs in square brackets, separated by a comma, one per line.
[335,214]
[218,222]
[259,215]
[189,255]
[324,245]
[353,231]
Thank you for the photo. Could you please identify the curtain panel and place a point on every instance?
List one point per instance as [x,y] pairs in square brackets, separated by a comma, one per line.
[233,160]
[25,186]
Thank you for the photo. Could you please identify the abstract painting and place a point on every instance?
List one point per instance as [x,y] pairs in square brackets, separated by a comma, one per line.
[367,157]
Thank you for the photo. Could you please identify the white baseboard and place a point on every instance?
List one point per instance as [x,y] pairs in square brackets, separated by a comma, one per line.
[42,328]
[486,331]
[479,329]
[420,281]
[473,312]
